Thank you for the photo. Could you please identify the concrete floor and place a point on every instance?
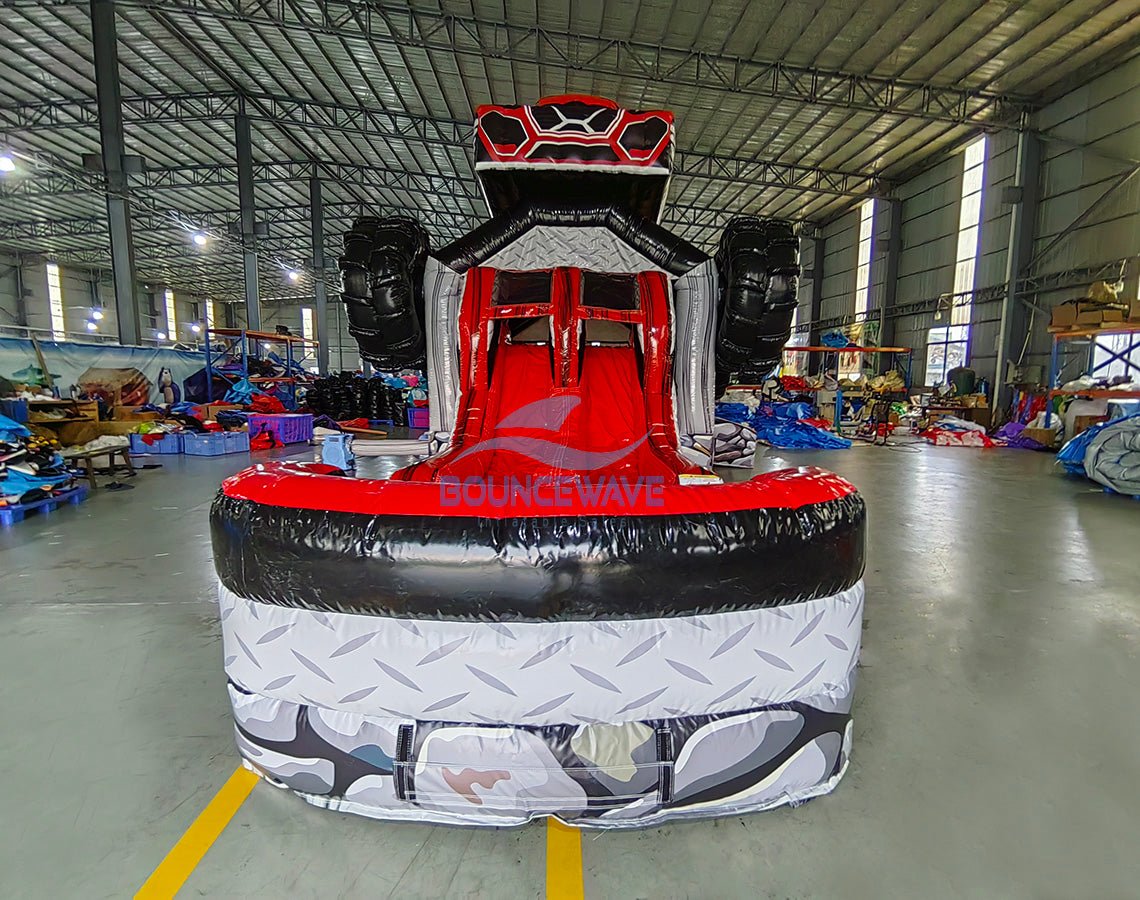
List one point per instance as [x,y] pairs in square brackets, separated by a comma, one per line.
[997,717]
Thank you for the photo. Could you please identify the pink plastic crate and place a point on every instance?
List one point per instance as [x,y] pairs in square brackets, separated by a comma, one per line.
[288,428]
[419,417]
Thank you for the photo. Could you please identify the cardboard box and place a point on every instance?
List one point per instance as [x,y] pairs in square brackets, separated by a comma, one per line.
[210,410]
[1064,315]
[1083,423]
[1134,310]
[1089,316]
[132,414]
[1110,316]
[1047,437]
[117,427]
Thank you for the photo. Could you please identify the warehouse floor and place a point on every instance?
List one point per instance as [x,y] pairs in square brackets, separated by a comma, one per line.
[997,717]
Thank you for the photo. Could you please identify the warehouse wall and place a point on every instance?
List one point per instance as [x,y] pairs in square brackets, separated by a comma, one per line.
[839,263]
[1105,115]
[931,204]
[343,352]
[83,289]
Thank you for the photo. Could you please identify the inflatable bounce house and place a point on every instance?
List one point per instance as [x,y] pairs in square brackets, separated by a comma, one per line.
[561,611]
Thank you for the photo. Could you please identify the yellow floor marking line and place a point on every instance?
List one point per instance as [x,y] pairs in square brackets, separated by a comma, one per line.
[172,872]
[563,862]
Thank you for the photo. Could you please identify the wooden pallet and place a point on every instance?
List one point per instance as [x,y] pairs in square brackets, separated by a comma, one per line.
[10,515]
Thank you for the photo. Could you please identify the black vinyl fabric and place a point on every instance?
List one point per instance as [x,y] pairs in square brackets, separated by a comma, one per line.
[665,249]
[759,273]
[537,569]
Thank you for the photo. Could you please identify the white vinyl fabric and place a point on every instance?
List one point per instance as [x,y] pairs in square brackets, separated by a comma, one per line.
[1113,457]
[694,334]
[543,673]
[443,289]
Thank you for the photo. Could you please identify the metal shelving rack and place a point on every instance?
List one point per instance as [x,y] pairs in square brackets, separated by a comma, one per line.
[246,345]
[906,353]
[1090,335]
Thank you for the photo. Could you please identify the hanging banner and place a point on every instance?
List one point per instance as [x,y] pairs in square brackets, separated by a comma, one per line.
[126,376]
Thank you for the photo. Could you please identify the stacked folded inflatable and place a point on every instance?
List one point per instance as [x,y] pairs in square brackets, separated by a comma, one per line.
[1108,453]
[561,611]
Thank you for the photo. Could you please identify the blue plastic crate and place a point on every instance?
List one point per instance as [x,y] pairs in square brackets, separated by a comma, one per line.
[288,428]
[166,445]
[215,443]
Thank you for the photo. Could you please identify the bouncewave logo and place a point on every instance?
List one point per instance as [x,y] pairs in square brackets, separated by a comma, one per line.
[571,488]
[553,492]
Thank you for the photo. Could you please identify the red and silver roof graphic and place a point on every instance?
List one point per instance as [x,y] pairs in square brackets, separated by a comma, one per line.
[573,131]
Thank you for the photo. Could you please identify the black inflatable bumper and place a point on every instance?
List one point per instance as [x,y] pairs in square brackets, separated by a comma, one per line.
[541,568]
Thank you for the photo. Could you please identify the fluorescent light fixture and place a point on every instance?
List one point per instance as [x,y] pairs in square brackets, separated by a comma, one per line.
[294,275]
[97,315]
[91,326]
[7,163]
[196,328]
[200,239]
[161,335]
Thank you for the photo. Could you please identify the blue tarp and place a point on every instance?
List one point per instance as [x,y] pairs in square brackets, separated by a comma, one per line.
[778,424]
[11,430]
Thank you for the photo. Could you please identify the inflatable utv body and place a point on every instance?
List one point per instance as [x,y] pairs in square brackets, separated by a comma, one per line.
[562,611]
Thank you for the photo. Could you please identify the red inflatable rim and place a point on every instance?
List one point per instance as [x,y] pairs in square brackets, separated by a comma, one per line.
[318,487]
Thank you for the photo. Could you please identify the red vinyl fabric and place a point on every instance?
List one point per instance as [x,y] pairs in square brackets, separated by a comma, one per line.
[566,407]
[318,487]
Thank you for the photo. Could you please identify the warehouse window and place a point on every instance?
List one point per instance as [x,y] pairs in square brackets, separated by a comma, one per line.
[308,327]
[863,269]
[851,364]
[171,316]
[55,303]
[947,346]
[945,350]
[1116,354]
[795,363]
[208,309]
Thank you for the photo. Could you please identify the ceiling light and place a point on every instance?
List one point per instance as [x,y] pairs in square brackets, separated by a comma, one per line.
[97,315]
[91,326]
[294,275]
[161,335]
[7,163]
[200,239]
[196,328]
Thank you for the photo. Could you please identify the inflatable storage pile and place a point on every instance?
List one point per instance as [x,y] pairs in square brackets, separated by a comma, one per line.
[561,611]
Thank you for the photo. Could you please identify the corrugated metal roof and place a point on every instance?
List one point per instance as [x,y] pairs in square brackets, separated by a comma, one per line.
[381,95]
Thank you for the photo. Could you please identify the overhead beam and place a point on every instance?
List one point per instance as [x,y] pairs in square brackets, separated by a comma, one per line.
[109,102]
[408,128]
[392,25]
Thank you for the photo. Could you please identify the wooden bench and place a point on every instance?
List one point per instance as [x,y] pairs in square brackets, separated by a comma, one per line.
[88,457]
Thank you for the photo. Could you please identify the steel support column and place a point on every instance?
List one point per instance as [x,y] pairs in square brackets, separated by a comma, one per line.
[1023,216]
[320,291]
[819,248]
[21,299]
[890,274]
[248,214]
[109,99]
